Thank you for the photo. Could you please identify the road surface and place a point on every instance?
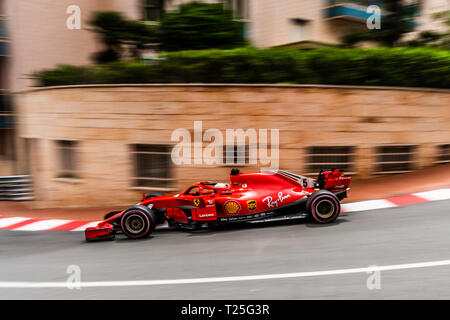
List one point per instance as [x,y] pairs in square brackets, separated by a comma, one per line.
[387,237]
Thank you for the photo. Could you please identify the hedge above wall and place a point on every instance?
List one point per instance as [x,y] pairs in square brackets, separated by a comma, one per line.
[406,67]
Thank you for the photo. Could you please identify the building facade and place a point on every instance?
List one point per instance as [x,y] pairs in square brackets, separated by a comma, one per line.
[106,145]
[34,36]
[39,38]
[6,110]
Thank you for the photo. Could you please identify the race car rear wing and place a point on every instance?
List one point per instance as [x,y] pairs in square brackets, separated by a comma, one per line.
[333,180]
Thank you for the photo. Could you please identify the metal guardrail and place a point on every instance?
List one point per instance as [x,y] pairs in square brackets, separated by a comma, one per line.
[16,188]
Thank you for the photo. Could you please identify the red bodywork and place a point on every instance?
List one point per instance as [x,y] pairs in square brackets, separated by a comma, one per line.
[247,196]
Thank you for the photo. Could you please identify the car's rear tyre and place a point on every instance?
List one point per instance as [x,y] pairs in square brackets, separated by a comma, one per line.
[138,222]
[323,206]
[110,214]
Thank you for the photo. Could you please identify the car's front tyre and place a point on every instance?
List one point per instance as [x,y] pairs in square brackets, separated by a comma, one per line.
[323,206]
[160,213]
[138,222]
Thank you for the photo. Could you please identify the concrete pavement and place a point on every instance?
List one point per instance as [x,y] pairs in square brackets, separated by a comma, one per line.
[410,234]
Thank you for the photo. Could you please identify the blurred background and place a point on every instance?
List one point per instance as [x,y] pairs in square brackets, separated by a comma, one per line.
[92,90]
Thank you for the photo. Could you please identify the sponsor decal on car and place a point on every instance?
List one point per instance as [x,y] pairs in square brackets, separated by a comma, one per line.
[251,205]
[205,215]
[275,203]
[246,217]
[231,207]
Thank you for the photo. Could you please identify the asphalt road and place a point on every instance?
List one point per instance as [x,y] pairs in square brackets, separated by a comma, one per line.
[403,235]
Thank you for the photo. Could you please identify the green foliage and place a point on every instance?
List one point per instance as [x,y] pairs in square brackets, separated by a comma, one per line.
[116,32]
[66,74]
[411,67]
[350,39]
[425,38]
[200,26]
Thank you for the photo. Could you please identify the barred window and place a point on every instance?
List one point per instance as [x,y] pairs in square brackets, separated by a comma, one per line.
[394,159]
[6,144]
[240,8]
[152,165]
[5,104]
[236,155]
[67,159]
[330,157]
[152,10]
[443,153]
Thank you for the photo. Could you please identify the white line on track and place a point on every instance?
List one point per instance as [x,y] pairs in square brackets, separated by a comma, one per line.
[92,284]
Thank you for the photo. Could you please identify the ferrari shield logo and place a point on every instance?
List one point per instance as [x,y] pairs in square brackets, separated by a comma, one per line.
[197,202]
[251,205]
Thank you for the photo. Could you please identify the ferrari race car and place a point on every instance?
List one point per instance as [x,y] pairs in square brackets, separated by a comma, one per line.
[248,197]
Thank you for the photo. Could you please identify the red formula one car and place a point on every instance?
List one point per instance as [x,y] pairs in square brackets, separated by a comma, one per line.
[248,197]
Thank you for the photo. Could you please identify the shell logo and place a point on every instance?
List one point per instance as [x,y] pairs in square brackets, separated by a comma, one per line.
[231,207]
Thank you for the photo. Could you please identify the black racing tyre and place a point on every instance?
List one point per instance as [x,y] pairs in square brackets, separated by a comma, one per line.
[110,214]
[152,195]
[160,213]
[138,222]
[323,206]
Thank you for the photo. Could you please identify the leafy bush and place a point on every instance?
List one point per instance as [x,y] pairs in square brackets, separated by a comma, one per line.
[411,67]
[120,36]
[199,25]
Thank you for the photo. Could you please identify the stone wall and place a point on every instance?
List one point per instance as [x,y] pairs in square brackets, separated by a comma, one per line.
[106,120]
